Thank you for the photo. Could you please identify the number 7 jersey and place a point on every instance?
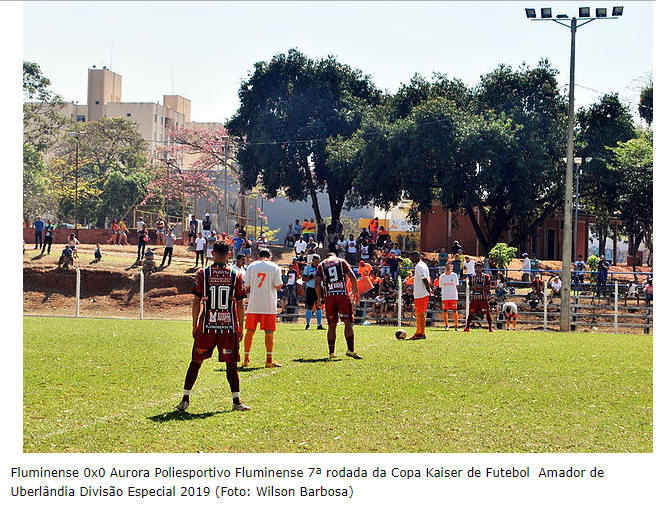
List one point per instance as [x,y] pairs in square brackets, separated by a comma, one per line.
[219,287]
[261,280]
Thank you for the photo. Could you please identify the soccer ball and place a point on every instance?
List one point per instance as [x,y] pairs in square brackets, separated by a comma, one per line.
[400,334]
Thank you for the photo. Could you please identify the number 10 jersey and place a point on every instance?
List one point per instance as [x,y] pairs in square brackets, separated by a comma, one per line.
[219,286]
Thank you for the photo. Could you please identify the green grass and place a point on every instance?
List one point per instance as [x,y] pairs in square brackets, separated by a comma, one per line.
[97,385]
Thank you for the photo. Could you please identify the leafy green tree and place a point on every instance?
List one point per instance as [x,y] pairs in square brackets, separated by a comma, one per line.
[633,160]
[602,126]
[120,191]
[289,108]
[646,106]
[38,195]
[502,254]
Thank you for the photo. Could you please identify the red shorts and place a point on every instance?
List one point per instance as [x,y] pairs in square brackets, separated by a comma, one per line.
[339,305]
[478,305]
[267,322]
[510,316]
[227,345]
[421,304]
[449,305]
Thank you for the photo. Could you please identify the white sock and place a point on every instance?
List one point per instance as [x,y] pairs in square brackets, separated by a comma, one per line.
[235,394]
[186,392]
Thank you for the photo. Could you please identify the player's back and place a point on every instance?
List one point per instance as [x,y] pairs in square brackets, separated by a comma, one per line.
[333,271]
[261,278]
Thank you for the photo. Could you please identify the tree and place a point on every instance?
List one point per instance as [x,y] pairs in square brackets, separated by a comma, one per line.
[38,195]
[121,191]
[633,160]
[646,106]
[43,119]
[290,109]
[600,127]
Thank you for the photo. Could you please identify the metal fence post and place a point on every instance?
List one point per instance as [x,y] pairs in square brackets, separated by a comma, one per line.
[544,313]
[77,292]
[399,302]
[141,294]
[466,301]
[615,327]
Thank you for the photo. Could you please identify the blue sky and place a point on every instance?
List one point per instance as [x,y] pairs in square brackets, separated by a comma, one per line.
[209,47]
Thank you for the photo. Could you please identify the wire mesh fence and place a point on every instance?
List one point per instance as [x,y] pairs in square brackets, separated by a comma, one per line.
[155,295]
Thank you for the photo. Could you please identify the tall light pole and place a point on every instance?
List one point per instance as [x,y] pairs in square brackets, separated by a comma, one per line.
[225,182]
[76,135]
[574,24]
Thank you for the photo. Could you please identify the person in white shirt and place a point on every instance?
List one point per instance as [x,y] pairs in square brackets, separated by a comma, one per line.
[240,263]
[448,283]
[556,285]
[364,253]
[300,246]
[510,312]
[469,266]
[200,249]
[262,282]
[351,251]
[341,247]
[526,268]
[422,292]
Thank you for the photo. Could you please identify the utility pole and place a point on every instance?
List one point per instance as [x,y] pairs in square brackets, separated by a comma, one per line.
[225,183]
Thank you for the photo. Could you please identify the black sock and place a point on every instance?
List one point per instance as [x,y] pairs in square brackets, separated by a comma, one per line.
[350,342]
[190,378]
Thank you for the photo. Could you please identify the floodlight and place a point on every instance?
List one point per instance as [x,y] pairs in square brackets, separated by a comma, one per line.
[601,12]
[530,13]
[561,16]
[584,12]
[545,12]
[617,11]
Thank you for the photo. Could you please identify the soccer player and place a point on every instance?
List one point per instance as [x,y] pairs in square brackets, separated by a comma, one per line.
[331,284]
[311,297]
[263,281]
[220,289]
[422,292]
[480,284]
[510,312]
[448,283]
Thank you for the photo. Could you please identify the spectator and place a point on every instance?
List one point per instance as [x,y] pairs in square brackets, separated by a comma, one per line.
[383,236]
[396,250]
[242,231]
[207,226]
[149,262]
[246,247]
[297,228]
[379,308]
[468,266]
[526,268]
[47,239]
[442,258]
[193,229]
[142,240]
[364,253]
[393,266]
[486,266]
[66,257]
[500,290]
[351,251]
[457,269]
[456,248]
[649,291]
[376,282]
[311,246]
[384,264]
[373,226]
[123,233]
[333,246]
[73,243]
[339,229]
[262,242]
[141,224]
[556,285]
[341,246]
[209,245]
[38,233]
[169,241]
[632,292]
[97,254]
[602,275]
[535,266]
[290,285]
[239,241]
[363,239]
[113,239]
[200,249]
[537,285]
[299,247]
[321,234]
[240,263]
[579,270]
[160,232]
[289,237]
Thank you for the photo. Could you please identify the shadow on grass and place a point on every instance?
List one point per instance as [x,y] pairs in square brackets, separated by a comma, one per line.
[315,360]
[177,415]
[192,270]
[243,369]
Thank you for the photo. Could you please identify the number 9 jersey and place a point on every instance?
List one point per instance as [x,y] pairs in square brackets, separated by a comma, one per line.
[219,286]
[332,272]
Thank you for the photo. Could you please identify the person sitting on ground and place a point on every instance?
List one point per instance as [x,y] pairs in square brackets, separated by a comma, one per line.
[537,285]
[533,299]
[66,258]
[97,254]
[649,291]
[378,307]
[556,285]
[632,292]
[500,290]
[510,313]
[149,265]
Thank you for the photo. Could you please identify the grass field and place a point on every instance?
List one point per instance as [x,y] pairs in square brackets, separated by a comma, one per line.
[95,385]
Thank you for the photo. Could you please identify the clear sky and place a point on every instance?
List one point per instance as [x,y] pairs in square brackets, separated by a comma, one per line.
[209,47]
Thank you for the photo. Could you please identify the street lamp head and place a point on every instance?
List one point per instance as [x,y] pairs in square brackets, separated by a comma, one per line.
[562,16]
[530,13]
[601,12]
[545,12]
[584,12]
[618,10]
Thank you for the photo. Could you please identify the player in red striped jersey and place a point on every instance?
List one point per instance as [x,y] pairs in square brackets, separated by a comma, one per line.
[480,285]
[219,288]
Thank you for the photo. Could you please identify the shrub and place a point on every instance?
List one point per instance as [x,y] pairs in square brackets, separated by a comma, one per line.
[502,254]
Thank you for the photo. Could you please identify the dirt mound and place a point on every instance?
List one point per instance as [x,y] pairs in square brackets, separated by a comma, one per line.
[157,293]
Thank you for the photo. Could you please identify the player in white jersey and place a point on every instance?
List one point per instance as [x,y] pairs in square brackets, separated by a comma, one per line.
[263,280]
[510,313]
[448,283]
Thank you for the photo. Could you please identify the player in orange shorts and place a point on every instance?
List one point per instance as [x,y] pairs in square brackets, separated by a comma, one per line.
[263,280]
[422,292]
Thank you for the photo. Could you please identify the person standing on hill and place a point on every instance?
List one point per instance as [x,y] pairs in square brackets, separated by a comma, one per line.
[38,233]
[47,239]
[169,241]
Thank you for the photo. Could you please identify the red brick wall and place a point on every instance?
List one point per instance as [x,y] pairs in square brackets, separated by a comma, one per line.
[435,231]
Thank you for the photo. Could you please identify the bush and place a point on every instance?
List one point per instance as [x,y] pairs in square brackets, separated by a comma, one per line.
[592,262]
[501,254]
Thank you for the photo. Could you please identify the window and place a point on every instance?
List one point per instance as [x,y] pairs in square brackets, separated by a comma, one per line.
[128,114]
[81,118]
[155,118]
[154,136]
[97,102]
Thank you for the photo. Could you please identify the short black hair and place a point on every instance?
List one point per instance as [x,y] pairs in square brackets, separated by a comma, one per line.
[264,253]
[221,247]
[415,253]
[240,256]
